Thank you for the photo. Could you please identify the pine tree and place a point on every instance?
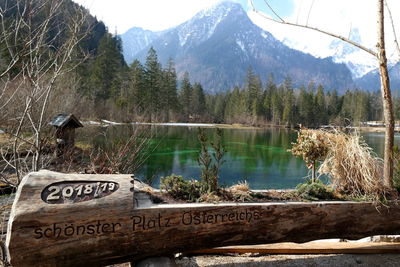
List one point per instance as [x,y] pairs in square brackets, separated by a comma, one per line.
[267,97]
[172,91]
[136,90]
[234,106]
[198,100]
[306,107]
[185,95]
[168,91]
[320,107]
[153,77]
[288,108]
[334,105]
[219,108]
[254,91]
[276,106]
[376,107]
[104,78]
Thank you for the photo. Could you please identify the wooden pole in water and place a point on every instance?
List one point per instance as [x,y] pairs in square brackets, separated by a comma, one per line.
[76,220]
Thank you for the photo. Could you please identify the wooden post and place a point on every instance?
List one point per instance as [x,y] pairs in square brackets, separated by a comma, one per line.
[75,220]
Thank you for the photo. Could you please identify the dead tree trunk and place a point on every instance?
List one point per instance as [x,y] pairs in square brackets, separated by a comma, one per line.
[75,220]
[386,98]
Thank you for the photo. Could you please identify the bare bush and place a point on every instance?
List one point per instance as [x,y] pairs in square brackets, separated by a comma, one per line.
[351,164]
[122,156]
[40,49]
[312,147]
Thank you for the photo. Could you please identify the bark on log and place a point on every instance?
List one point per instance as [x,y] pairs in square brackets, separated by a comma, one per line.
[76,226]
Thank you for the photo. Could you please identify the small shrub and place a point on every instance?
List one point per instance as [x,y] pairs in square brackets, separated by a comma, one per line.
[314,190]
[312,147]
[179,188]
[210,161]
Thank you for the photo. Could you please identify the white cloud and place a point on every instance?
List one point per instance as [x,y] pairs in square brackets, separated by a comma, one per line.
[149,14]
[337,16]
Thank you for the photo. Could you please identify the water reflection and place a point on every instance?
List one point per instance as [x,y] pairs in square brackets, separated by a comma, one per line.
[258,156]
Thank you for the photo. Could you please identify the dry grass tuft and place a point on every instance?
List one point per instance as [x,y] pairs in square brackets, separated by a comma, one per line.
[241,187]
[211,198]
[351,164]
[240,192]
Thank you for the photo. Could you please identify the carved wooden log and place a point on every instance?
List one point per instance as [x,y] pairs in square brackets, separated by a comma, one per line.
[73,219]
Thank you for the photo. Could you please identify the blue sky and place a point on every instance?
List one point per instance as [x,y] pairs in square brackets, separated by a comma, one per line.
[337,16]
[161,14]
[282,7]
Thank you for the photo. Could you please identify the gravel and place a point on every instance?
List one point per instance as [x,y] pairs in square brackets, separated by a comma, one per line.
[387,260]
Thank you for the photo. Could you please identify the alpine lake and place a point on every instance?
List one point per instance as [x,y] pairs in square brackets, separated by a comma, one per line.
[258,156]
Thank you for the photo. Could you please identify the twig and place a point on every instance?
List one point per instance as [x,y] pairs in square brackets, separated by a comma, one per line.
[393,29]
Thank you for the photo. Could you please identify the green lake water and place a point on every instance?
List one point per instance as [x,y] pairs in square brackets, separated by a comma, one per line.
[258,156]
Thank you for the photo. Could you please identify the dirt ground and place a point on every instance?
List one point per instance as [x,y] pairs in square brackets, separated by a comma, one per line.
[387,260]
[317,260]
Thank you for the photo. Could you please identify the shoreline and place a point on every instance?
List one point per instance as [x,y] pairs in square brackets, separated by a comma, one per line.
[106,123]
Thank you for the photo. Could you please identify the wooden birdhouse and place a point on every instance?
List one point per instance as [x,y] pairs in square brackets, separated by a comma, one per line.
[65,129]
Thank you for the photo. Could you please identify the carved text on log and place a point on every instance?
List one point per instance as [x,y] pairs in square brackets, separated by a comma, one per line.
[77,191]
[141,222]
[63,230]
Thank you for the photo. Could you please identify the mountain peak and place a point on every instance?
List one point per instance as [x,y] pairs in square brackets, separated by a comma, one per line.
[219,43]
[220,9]
[202,26]
[138,39]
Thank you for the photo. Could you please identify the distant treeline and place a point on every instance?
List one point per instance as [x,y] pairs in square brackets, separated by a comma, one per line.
[150,92]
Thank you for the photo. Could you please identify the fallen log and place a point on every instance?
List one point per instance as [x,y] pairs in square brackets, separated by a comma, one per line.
[75,220]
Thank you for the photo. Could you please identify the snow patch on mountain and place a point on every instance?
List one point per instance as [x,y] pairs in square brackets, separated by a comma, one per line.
[202,26]
[241,45]
[357,60]
[264,35]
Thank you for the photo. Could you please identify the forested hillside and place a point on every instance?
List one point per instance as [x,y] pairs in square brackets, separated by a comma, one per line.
[218,44]
[71,63]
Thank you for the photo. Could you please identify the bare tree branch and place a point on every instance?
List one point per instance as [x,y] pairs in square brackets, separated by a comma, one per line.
[309,11]
[393,29]
[281,21]
[273,11]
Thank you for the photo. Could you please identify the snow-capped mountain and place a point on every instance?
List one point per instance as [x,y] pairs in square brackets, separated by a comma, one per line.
[218,45]
[134,40]
[358,61]
[371,80]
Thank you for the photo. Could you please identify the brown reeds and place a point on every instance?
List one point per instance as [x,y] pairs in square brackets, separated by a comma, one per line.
[351,164]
